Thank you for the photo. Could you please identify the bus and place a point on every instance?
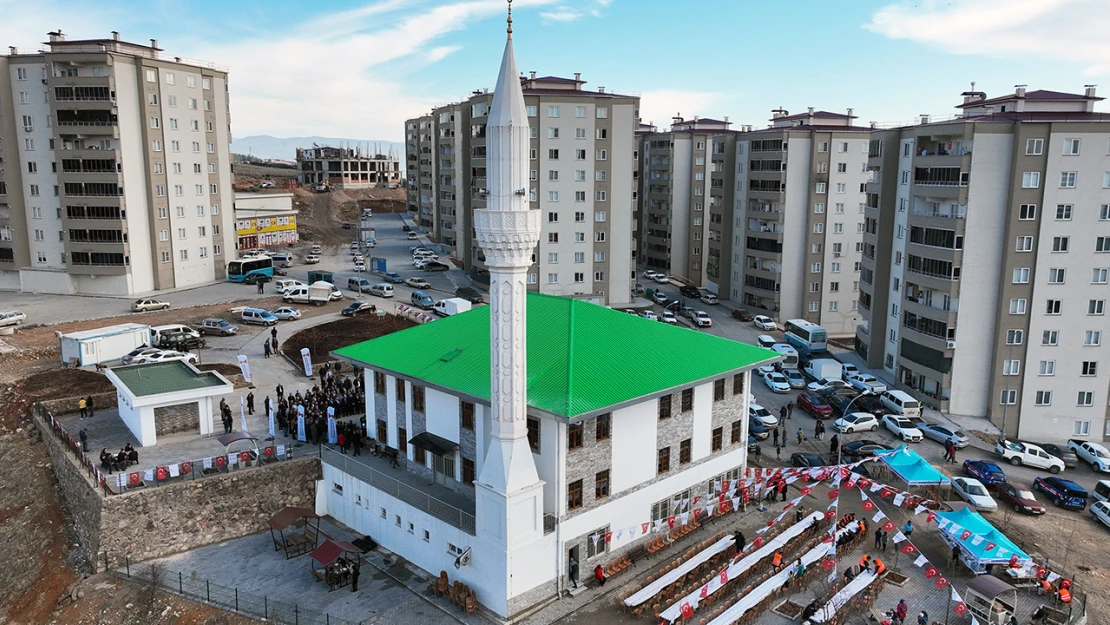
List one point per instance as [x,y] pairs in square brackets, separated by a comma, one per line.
[789,355]
[806,336]
[238,270]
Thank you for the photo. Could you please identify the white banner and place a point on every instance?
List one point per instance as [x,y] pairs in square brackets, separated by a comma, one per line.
[245,367]
[242,414]
[272,422]
[306,358]
[300,424]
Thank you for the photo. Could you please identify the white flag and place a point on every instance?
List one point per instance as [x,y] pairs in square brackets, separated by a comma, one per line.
[976,540]
[899,498]
[899,537]
[306,358]
[920,561]
[245,367]
[242,414]
[148,475]
[175,470]
[280,450]
[272,422]
[955,595]
[876,487]
[206,463]
[919,509]
[878,516]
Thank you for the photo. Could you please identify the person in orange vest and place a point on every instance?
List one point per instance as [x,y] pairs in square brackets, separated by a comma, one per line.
[864,563]
[1045,587]
[777,560]
[880,568]
[1063,595]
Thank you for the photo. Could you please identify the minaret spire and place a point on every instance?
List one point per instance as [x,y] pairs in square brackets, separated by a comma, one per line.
[510,20]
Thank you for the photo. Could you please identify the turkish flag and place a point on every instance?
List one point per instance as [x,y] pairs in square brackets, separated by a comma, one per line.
[1040,571]
[1014,561]
[931,572]
[888,527]
[771,522]
[868,505]
[940,582]
[758,542]
[828,563]
[908,548]
[830,514]
[932,516]
[833,494]
[807,490]
[687,610]
[960,608]
[965,535]
[724,577]
[644,528]
[864,483]
[697,513]
[704,591]
[827,539]
[670,522]
[849,484]
[608,537]
[724,485]
[788,506]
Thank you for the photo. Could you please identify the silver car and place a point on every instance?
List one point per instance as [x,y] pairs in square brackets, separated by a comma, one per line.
[943,433]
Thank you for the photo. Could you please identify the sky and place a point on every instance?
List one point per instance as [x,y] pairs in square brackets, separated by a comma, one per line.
[359,68]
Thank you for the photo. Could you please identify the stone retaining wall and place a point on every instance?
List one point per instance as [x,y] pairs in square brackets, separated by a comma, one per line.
[179,418]
[68,405]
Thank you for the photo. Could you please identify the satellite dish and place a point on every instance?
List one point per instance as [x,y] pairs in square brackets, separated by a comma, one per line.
[463,559]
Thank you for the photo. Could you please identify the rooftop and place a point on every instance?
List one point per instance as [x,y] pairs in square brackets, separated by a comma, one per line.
[582,358]
[165,377]
[106,331]
[1038,94]
[815,115]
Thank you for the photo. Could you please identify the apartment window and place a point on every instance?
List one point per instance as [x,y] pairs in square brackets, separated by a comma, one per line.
[1011,367]
[815,268]
[818,228]
[205,83]
[687,403]
[821,187]
[601,484]
[208,126]
[211,148]
[1024,244]
[574,495]
[599,257]
[663,460]
[599,216]
[1053,307]
[1096,307]
[599,237]
[603,427]
[553,278]
[176,168]
[180,211]
[574,436]
[466,415]
[840,187]
[1008,397]
[552,111]
[814,287]
[1102,245]
[468,472]
[552,133]
[25,98]
[184,254]
[151,75]
[838,228]
[1050,337]
[160,191]
[737,432]
[600,196]
[665,407]
[1034,147]
[533,132]
[600,175]
[156,145]
[602,154]
[1060,244]
[1027,212]
[165,257]
[553,217]
[1043,398]
[162,212]
[1089,368]
[1046,368]
[579,133]
[1031,180]
[579,237]
[1099,275]
[843,147]
[29,145]
[532,278]
[164,235]
[1092,338]
[579,155]
[1085,398]
[532,111]
[602,112]
[1021,275]
[553,258]
[1017,306]
[1071,147]
[834,306]
[171,101]
[819,207]
[684,451]
[203,252]
[202,231]
[823,146]
[534,434]
[1067,179]
[181,233]
[717,441]
[552,196]
[175,146]
[835,267]
[599,276]
[1057,275]
[842,168]
[1082,428]
[1063,212]
[154,123]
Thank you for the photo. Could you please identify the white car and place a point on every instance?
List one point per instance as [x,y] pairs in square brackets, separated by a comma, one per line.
[418,283]
[138,352]
[902,428]
[709,299]
[764,323]
[828,384]
[702,319]
[856,422]
[286,313]
[1029,454]
[660,297]
[165,355]
[360,266]
[144,305]
[867,382]
[420,263]
[1100,510]
[848,369]
[761,414]
[358,258]
[649,315]
[973,491]
[795,378]
[312,259]
[765,369]
[668,317]
[12,318]
[285,284]
[661,279]
[777,382]
[650,274]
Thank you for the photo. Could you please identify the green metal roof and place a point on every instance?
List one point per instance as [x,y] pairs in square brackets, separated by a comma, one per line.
[164,377]
[582,357]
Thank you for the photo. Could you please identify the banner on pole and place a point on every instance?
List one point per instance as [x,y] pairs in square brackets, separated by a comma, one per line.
[245,367]
[306,358]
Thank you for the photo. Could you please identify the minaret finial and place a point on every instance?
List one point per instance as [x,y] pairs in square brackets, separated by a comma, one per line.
[510,20]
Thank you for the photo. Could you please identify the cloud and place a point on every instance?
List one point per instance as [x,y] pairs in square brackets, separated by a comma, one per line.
[561,14]
[1070,30]
[659,106]
[441,52]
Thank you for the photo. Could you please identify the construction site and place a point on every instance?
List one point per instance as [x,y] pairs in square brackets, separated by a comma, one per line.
[347,168]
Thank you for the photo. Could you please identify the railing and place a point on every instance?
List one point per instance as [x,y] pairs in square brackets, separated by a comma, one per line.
[932,274]
[395,488]
[942,214]
[95,123]
[84,99]
[226,597]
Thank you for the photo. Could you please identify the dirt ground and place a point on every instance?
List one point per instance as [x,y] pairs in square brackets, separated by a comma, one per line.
[325,337]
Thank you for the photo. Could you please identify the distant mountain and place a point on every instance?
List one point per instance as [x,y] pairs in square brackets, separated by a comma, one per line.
[265,146]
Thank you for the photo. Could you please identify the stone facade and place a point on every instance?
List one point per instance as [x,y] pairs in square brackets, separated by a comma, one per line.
[381,413]
[68,405]
[180,418]
[586,462]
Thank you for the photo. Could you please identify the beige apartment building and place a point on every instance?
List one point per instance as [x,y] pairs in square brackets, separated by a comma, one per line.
[986,262]
[582,177]
[115,173]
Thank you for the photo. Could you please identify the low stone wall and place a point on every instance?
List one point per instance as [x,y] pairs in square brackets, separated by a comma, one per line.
[179,418]
[58,407]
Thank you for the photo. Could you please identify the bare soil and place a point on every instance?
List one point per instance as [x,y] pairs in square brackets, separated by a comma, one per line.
[223,368]
[322,339]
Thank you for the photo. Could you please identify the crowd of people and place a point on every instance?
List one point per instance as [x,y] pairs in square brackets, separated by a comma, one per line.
[344,394]
[126,457]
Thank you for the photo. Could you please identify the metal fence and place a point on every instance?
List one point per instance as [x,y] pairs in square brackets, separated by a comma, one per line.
[395,488]
[228,598]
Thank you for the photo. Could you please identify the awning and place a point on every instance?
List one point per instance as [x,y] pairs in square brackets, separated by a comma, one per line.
[989,586]
[290,515]
[235,437]
[326,553]
[437,445]
[954,522]
[912,468]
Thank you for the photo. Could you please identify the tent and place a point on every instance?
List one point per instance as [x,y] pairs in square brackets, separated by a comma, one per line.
[913,469]
[334,562]
[976,556]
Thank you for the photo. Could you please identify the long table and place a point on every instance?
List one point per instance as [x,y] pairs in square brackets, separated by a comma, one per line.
[764,590]
[675,574]
[740,567]
[853,588]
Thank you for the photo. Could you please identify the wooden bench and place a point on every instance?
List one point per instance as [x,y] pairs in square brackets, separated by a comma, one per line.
[637,552]
[877,616]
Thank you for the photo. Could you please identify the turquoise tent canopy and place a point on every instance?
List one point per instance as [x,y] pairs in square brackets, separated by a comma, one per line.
[954,523]
[913,469]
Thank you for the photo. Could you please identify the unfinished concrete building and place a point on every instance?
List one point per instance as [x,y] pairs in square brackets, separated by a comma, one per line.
[347,168]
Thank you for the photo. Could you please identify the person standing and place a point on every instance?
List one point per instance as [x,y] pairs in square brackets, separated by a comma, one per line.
[776,436]
[574,572]
[878,538]
[84,436]
[955,554]
[81,406]
[274,344]
[801,437]
[250,403]
[834,444]
[789,410]
[738,538]
[782,413]
[273,332]
[354,577]
[907,529]
[901,611]
[89,405]
[266,349]
[886,539]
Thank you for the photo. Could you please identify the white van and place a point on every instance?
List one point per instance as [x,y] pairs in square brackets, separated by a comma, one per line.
[1102,490]
[172,328]
[765,341]
[381,290]
[901,403]
[788,353]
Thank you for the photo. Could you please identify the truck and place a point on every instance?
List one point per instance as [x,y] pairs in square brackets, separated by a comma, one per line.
[1018,453]
[101,345]
[1092,453]
[319,292]
[824,369]
[451,306]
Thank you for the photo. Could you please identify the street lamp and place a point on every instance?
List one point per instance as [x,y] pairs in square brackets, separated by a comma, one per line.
[847,411]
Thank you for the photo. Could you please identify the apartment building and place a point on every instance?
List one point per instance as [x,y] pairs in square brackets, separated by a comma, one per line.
[685,195]
[582,177]
[115,173]
[265,220]
[347,168]
[986,261]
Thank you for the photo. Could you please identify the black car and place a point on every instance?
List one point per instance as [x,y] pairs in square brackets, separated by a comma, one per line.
[357,308]
[742,315]
[436,266]
[862,449]
[256,278]
[179,341]
[806,460]
[1063,453]
[406,228]
[689,291]
[470,294]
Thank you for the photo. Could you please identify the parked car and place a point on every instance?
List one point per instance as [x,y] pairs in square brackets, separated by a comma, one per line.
[258,316]
[668,317]
[742,315]
[764,323]
[799,459]
[757,429]
[689,291]
[1062,452]
[902,428]
[418,283]
[393,277]
[815,405]
[685,311]
[165,355]
[972,491]
[828,384]
[435,265]
[796,380]
[649,315]
[709,299]
[862,449]
[381,290]
[1029,454]
[1100,511]
[181,341]
[139,352]
[144,305]
[650,274]
[661,279]
[659,297]
[406,228]
[763,415]
[412,236]
[1017,497]
[470,294]
[849,370]
[856,422]
[872,404]
[842,402]
[12,318]
[867,382]
[1063,493]
[985,471]
[357,308]
[217,326]
[944,433]
[1091,453]
[776,381]
[702,319]
[285,284]
[287,313]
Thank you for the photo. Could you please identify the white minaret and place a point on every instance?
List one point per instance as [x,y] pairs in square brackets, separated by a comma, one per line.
[509,493]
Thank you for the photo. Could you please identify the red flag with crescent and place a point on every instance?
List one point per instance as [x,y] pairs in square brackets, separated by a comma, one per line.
[931,572]
[724,577]
[908,548]
[687,610]
[990,546]
[965,535]
[849,484]
[868,505]
[833,494]
[864,483]
[828,563]
[888,527]
[807,490]
[1014,561]
[932,516]
[830,514]
[704,591]
[940,582]
[960,608]
[670,522]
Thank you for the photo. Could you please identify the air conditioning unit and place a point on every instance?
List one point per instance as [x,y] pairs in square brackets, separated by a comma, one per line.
[836,254]
[950,344]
